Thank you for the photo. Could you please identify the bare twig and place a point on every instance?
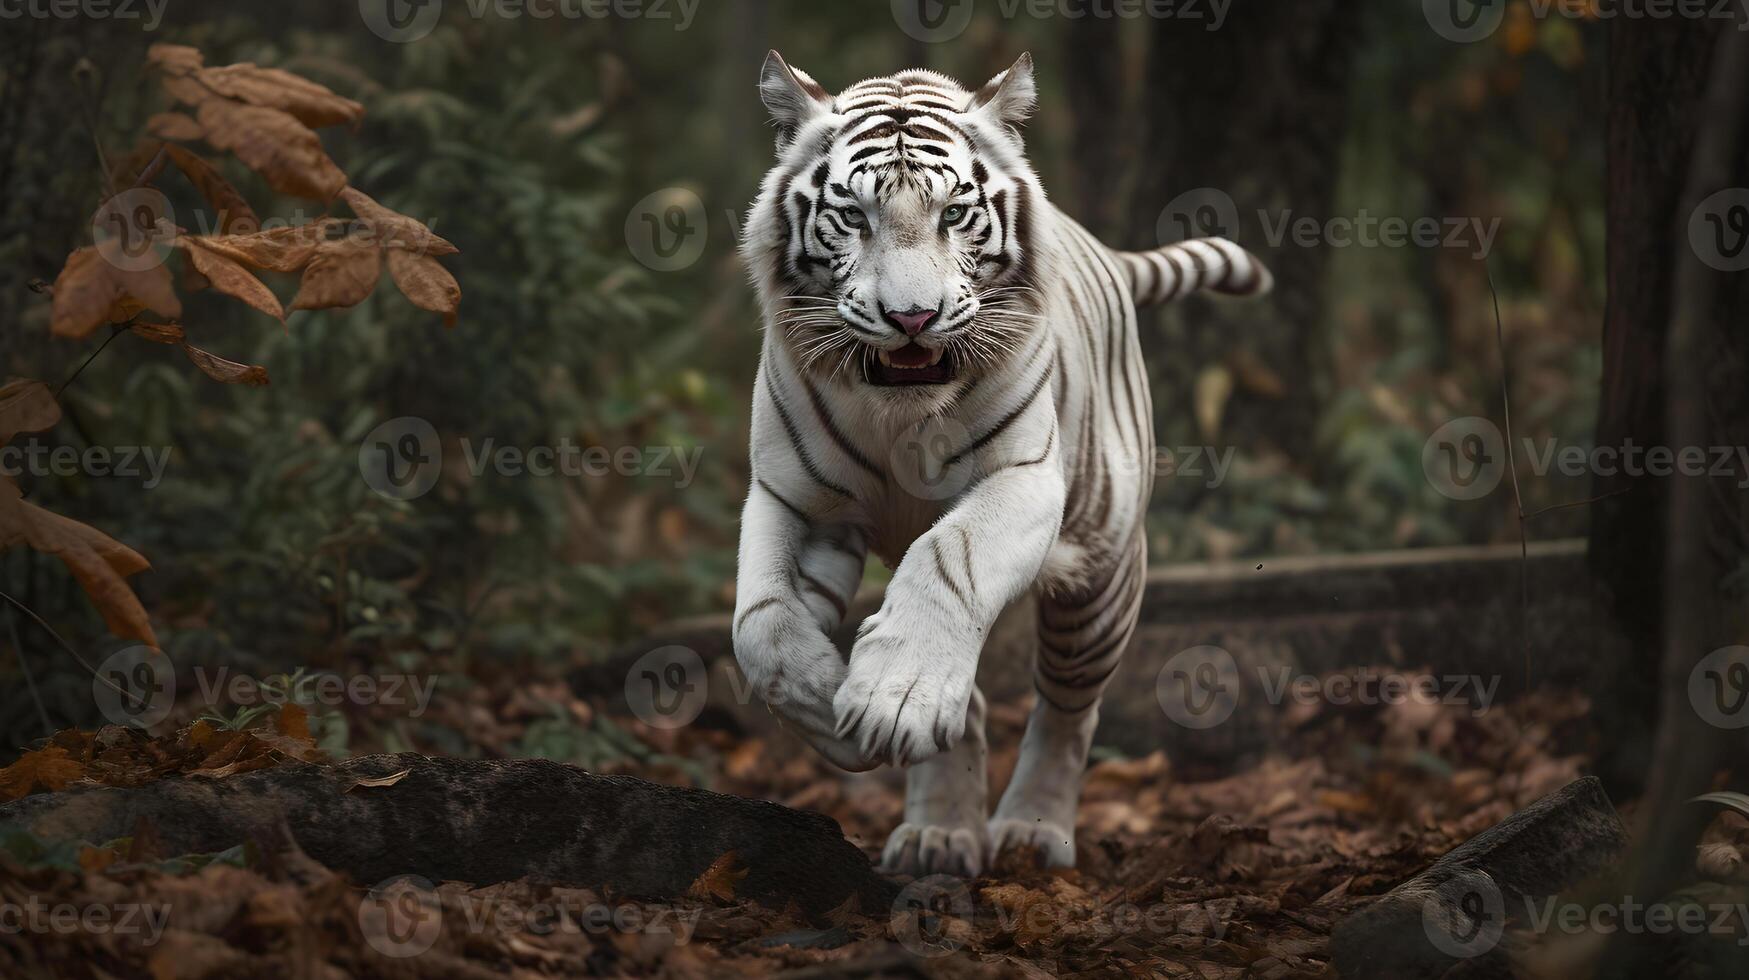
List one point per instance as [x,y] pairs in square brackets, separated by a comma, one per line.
[1512,465]
[82,71]
[29,678]
[50,630]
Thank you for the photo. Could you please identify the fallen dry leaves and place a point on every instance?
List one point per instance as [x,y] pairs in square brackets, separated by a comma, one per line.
[1237,877]
[117,756]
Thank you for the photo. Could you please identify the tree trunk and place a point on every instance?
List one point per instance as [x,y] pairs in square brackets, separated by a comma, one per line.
[1093,76]
[1658,76]
[1256,110]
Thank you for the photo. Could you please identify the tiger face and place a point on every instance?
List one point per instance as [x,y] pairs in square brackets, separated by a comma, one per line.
[902,253]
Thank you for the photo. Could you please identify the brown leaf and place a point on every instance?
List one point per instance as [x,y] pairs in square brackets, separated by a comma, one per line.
[286,249]
[48,769]
[393,229]
[293,721]
[310,103]
[719,880]
[273,143]
[26,406]
[377,781]
[188,89]
[174,59]
[232,279]
[99,563]
[92,291]
[174,126]
[228,372]
[139,167]
[342,273]
[158,333]
[426,282]
[95,859]
[234,213]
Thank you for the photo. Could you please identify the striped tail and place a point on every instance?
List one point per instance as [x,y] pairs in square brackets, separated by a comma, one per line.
[1169,273]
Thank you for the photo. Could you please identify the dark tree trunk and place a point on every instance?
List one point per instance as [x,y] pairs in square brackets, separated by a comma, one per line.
[1258,111]
[1100,150]
[1658,79]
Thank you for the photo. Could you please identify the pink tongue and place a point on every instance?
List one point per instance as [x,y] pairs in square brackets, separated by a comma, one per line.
[910,356]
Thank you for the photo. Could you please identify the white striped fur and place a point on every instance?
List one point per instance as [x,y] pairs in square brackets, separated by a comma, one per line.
[1041,416]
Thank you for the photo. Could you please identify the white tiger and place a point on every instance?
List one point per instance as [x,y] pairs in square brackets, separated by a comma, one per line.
[924,303]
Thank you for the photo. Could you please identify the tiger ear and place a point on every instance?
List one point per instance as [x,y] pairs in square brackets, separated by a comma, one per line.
[1010,96]
[792,96]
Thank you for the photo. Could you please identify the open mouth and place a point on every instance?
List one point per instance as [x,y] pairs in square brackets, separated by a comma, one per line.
[912,364]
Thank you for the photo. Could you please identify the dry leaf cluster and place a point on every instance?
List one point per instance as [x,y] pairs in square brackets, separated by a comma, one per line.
[266,118]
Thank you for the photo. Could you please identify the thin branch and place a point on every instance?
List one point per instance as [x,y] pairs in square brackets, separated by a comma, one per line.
[87,112]
[50,630]
[1512,464]
[42,711]
[1577,503]
[116,330]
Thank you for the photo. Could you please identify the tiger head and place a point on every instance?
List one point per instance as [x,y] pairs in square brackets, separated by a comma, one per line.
[894,243]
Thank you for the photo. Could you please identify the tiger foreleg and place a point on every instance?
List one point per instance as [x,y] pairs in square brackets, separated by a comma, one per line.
[792,586]
[914,662]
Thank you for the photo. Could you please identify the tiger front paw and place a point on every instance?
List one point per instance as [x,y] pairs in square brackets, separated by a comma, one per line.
[904,698]
[796,669]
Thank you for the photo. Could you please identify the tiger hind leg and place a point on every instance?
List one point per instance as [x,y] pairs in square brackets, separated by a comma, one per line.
[1081,640]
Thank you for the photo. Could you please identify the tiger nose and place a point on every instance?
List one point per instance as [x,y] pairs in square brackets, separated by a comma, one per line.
[911,321]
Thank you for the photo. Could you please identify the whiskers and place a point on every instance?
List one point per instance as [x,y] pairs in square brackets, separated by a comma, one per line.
[818,333]
[1007,315]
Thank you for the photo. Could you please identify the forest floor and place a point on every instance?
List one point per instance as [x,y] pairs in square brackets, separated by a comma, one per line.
[1243,875]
